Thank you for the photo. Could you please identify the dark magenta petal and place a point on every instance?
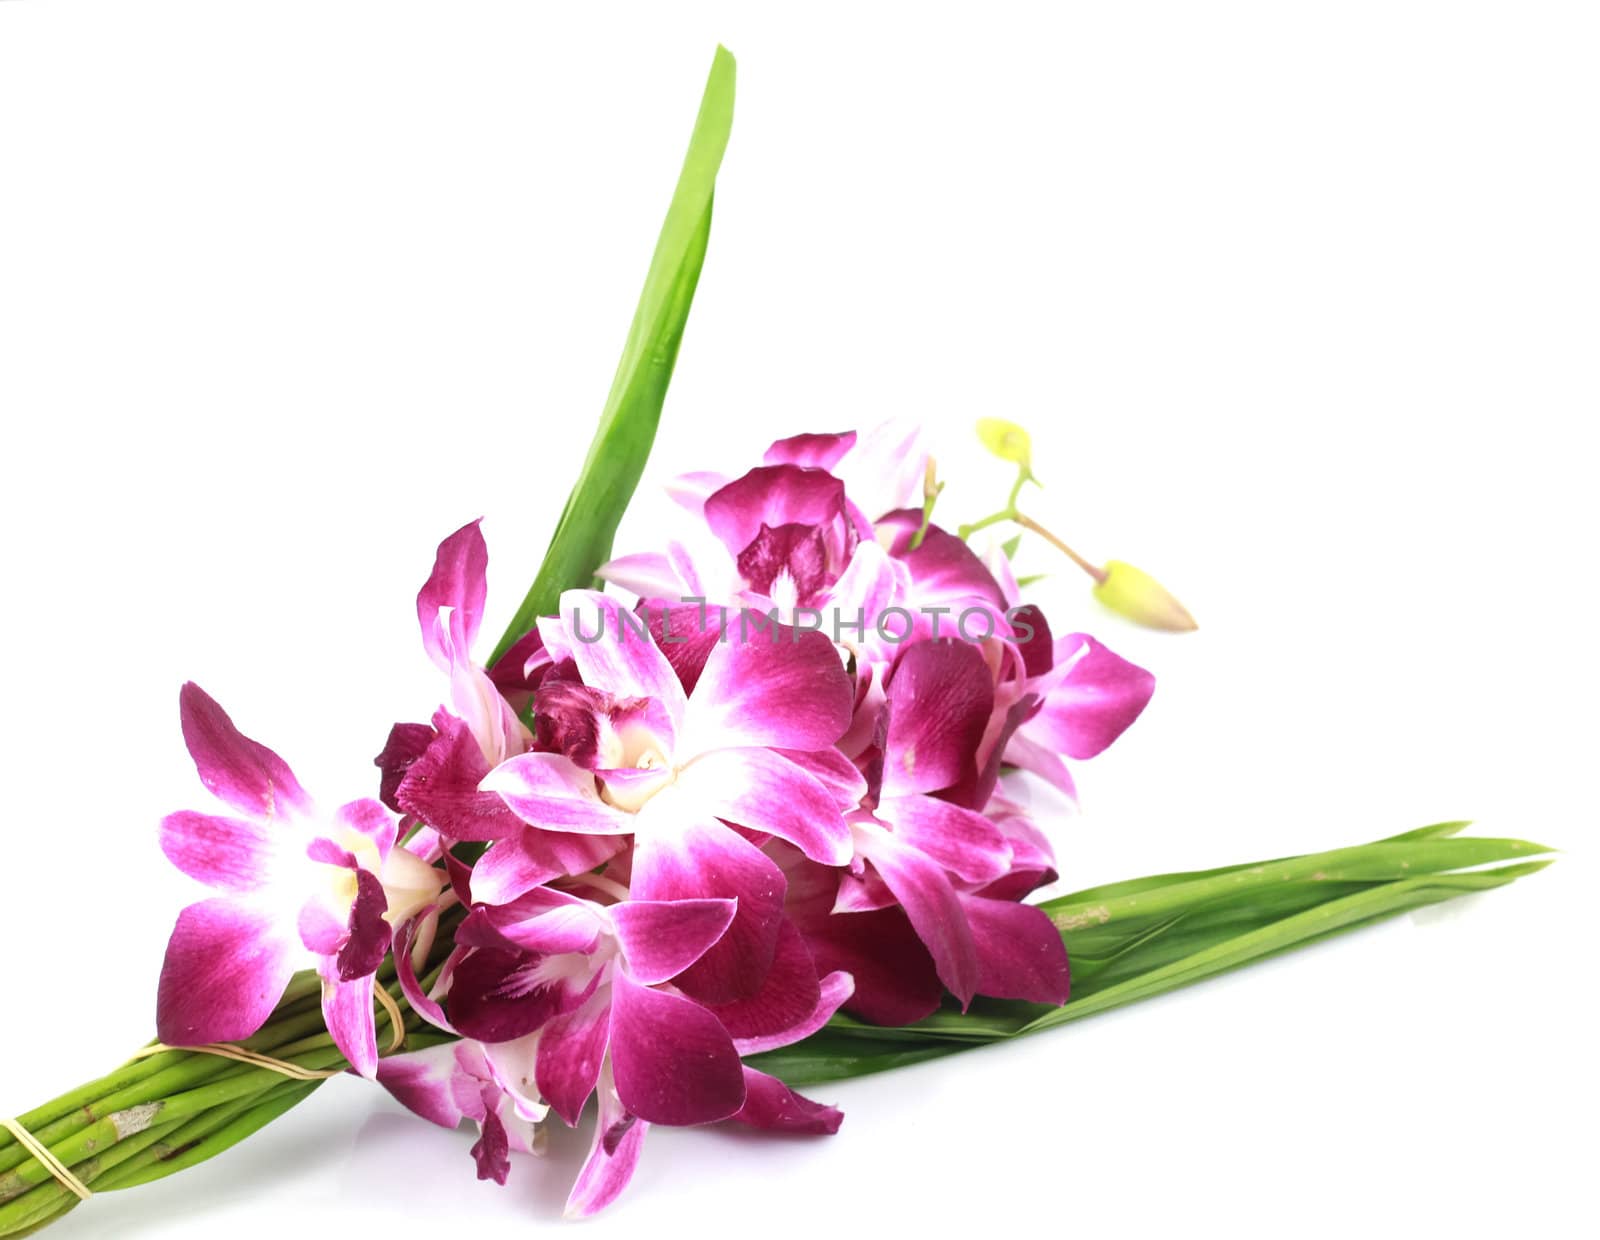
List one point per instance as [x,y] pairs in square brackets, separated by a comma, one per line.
[773,495]
[1033,640]
[571,1049]
[226,968]
[492,1152]
[407,742]
[1020,952]
[895,981]
[450,603]
[770,1104]
[674,1062]
[248,776]
[441,787]
[369,934]
[800,551]
[498,995]
[787,998]
[940,697]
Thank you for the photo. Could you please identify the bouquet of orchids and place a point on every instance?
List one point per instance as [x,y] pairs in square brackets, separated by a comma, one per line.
[746,813]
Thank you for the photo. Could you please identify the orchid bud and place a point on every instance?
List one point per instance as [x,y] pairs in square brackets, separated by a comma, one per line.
[1008,441]
[1133,593]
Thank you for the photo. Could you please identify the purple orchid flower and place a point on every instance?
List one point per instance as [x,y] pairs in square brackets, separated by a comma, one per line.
[293,881]
[456,1082]
[568,998]
[433,772]
[626,752]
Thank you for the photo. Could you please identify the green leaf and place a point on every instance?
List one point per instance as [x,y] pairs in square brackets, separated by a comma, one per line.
[583,536]
[1135,939]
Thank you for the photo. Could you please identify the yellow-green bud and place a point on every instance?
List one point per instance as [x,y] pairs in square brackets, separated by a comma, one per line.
[1135,594]
[1008,441]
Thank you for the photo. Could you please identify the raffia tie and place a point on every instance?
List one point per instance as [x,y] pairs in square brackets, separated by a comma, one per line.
[255,1059]
[49,1161]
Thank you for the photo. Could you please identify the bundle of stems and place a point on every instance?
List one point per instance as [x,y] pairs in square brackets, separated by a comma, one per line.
[161,1112]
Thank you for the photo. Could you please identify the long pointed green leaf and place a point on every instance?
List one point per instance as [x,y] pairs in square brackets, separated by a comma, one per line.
[1162,933]
[611,471]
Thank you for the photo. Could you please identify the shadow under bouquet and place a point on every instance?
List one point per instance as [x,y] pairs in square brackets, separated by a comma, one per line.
[745,811]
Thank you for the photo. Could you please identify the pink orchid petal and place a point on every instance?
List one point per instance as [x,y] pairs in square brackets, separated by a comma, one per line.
[515,866]
[662,938]
[1020,952]
[782,688]
[963,842]
[1033,860]
[930,901]
[226,853]
[940,696]
[247,775]
[698,860]
[548,922]
[764,791]
[691,490]
[943,568]
[1098,696]
[347,1011]
[871,583]
[886,467]
[833,771]
[772,495]
[476,700]
[421,1002]
[226,967]
[321,927]
[810,451]
[674,1062]
[612,1159]
[450,603]
[772,1105]
[370,819]
[441,787]
[1024,752]
[649,574]
[571,1049]
[422,1082]
[549,790]
[612,653]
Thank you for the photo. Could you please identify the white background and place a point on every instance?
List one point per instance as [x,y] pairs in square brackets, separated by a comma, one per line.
[1299,301]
